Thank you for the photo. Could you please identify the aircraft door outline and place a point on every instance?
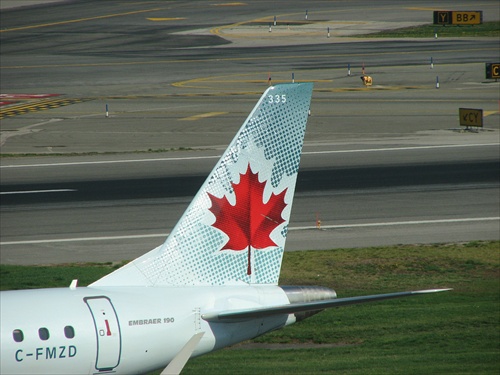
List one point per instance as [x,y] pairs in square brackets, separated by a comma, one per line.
[108,335]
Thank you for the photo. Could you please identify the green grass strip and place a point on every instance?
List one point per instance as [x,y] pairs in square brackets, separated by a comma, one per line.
[454,332]
[486,29]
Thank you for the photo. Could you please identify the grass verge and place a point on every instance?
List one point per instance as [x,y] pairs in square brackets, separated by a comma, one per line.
[454,332]
[486,29]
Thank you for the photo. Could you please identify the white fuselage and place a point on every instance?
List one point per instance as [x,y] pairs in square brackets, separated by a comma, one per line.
[123,329]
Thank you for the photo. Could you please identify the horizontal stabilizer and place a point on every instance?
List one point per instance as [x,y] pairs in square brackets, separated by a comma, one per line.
[248,314]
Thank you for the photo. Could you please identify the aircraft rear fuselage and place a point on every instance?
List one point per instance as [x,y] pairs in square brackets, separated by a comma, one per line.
[122,328]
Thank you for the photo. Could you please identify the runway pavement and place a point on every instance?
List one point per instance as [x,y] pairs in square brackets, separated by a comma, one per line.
[179,78]
[12,4]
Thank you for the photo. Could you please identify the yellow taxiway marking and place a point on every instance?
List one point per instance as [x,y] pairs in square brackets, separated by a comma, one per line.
[39,105]
[166,19]
[439,8]
[202,115]
[488,113]
[422,8]
[79,20]
[229,4]
[203,82]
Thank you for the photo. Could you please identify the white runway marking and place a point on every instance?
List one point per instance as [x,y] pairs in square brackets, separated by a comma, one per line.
[84,239]
[218,156]
[396,223]
[340,226]
[110,162]
[37,191]
[398,148]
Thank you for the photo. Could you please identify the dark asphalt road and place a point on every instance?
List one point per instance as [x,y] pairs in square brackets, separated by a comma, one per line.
[424,177]
[359,178]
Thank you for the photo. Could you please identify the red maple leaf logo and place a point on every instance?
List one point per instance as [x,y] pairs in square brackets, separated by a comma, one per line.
[250,221]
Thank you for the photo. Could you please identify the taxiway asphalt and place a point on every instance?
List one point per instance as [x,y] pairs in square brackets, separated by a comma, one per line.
[177,91]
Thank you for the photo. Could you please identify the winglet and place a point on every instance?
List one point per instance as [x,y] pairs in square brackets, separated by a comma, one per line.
[431,291]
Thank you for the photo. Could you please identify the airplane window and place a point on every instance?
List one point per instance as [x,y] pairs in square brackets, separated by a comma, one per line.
[69,332]
[18,335]
[43,333]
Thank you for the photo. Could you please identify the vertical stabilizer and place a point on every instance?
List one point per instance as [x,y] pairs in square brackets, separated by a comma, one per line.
[235,228]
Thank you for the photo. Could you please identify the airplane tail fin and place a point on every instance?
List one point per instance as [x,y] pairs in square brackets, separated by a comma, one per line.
[235,228]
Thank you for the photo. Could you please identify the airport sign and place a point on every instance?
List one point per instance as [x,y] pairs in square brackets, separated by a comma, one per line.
[471,117]
[458,17]
[493,70]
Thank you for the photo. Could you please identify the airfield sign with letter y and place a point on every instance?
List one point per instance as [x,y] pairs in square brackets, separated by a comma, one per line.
[458,17]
